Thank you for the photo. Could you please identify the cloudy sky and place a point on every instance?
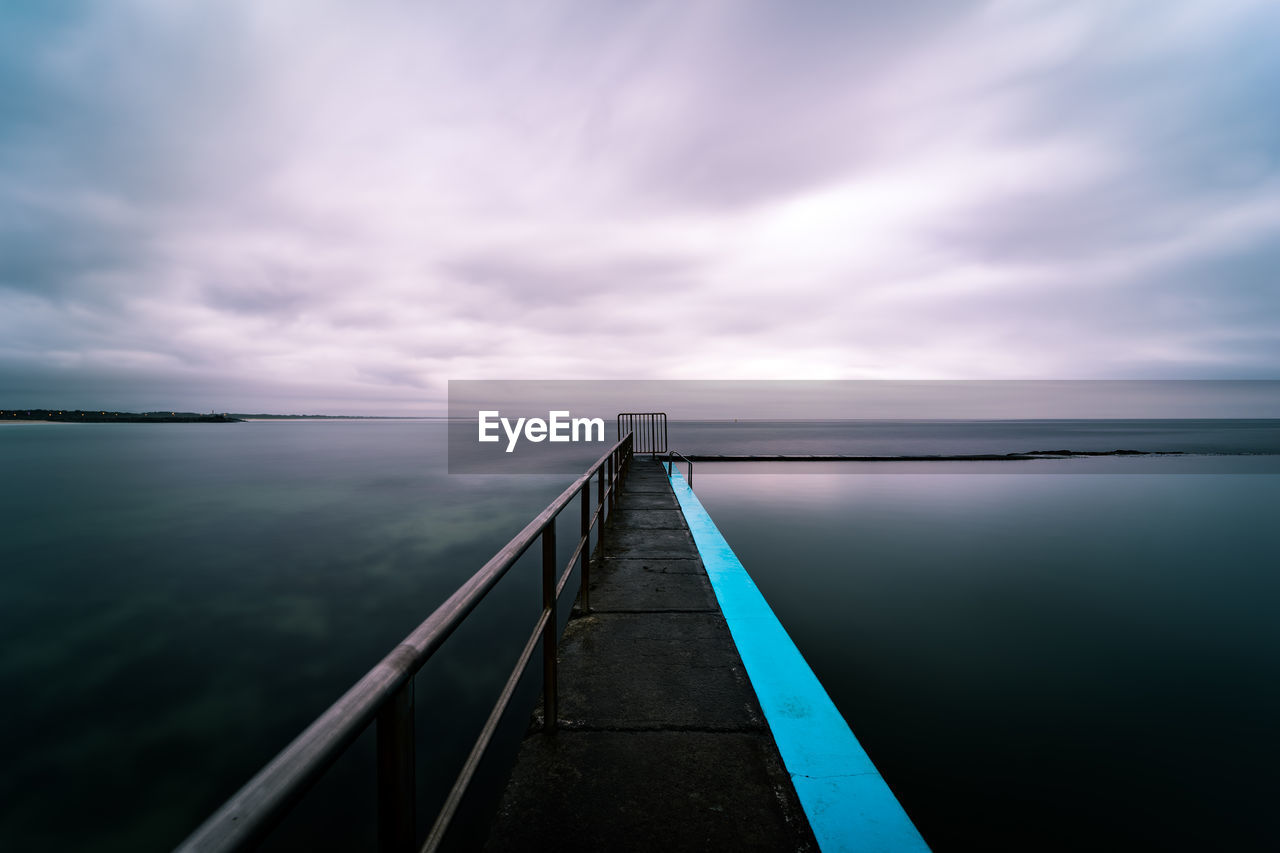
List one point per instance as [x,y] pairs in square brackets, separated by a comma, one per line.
[338,206]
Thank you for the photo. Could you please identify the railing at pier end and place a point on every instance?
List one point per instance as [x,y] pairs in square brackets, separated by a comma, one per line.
[649,429]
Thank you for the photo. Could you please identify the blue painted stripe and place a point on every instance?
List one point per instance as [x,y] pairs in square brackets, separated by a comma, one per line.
[849,806]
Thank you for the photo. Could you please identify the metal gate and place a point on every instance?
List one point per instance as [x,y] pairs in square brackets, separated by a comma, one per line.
[649,431]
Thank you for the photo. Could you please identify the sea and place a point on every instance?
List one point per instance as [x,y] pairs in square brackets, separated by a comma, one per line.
[1058,654]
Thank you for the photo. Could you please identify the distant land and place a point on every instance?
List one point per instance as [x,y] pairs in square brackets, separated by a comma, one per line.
[79,416]
[99,416]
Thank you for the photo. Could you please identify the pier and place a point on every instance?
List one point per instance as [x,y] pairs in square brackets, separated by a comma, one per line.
[660,743]
[676,713]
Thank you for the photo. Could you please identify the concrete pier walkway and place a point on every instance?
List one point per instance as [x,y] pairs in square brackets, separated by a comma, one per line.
[661,742]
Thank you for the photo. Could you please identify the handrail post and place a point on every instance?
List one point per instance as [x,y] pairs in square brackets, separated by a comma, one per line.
[550,699]
[613,482]
[586,545]
[600,494]
[396,773]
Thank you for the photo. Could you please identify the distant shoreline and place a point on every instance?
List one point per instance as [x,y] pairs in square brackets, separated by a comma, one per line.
[79,416]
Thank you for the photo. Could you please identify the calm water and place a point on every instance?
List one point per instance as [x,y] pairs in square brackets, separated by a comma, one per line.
[180,600]
[1038,662]
[1033,661]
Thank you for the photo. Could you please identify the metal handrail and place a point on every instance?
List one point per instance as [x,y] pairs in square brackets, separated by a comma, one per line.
[671,461]
[386,693]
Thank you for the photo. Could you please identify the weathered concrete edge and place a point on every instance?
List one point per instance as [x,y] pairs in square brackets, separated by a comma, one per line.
[849,805]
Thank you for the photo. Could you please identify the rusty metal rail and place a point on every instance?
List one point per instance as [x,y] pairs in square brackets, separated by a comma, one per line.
[385,693]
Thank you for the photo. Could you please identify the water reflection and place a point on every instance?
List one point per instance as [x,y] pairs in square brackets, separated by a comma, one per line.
[179,601]
[1036,661]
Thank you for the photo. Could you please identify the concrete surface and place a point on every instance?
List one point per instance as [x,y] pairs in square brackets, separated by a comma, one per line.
[661,742]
